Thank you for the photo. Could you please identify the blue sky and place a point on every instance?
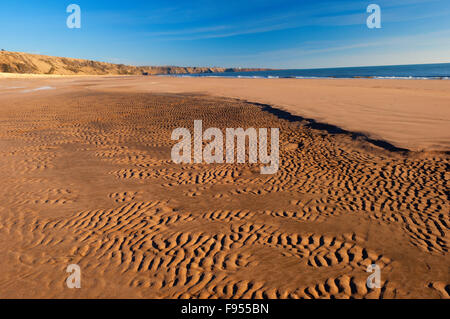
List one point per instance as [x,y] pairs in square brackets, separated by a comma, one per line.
[256,33]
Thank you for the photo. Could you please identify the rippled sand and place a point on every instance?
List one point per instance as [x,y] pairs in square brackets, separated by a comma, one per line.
[87,179]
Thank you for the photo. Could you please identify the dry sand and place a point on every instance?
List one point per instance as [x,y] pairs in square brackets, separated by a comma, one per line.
[87,179]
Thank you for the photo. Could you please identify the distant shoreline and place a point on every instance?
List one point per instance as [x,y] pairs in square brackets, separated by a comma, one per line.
[49,76]
[305,77]
[439,71]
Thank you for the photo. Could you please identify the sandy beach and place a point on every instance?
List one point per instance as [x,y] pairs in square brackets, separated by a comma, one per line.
[88,179]
[409,114]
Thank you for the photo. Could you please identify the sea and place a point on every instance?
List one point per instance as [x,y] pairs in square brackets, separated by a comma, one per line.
[413,71]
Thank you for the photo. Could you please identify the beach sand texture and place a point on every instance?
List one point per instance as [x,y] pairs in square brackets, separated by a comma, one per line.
[87,179]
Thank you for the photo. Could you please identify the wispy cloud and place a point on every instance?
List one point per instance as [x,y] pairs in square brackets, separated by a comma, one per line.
[188,31]
[346,13]
[322,50]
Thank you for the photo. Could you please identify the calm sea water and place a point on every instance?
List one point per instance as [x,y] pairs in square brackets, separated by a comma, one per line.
[418,71]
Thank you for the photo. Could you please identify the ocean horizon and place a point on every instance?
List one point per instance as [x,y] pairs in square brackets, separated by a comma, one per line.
[411,71]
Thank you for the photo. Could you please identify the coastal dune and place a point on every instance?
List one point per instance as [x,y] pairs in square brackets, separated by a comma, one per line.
[88,179]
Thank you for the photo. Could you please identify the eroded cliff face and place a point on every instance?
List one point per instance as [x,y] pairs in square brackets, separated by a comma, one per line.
[19,62]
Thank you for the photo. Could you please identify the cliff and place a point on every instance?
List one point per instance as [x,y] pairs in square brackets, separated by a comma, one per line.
[19,62]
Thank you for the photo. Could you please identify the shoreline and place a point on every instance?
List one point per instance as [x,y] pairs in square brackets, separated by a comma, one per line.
[205,75]
[444,78]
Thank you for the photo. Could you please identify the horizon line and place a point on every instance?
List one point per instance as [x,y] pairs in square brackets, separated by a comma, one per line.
[229,67]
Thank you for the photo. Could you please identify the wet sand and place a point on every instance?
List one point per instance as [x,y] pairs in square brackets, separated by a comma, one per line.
[88,180]
[409,114]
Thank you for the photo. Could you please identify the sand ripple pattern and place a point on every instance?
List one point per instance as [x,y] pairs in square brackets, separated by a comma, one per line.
[90,181]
